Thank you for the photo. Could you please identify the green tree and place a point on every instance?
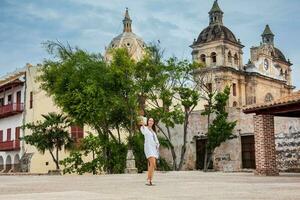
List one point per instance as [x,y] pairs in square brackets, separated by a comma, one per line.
[172,95]
[102,95]
[220,129]
[50,135]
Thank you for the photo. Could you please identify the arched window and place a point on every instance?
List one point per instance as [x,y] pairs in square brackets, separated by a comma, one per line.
[229,57]
[213,57]
[236,59]
[269,97]
[234,89]
[234,104]
[281,72]
[266,64]
[203,58]
[286,74]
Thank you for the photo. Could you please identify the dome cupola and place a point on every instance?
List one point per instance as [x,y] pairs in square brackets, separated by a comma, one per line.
[129,40]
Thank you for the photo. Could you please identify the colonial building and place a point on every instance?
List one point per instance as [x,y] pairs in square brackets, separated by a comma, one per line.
[12,93]
[266,77]
[127,39]
[23,101]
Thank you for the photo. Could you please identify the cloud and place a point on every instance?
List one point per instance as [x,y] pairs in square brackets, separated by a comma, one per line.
[91,25]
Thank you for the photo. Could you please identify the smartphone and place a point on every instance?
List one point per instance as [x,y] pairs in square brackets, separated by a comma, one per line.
[145,120]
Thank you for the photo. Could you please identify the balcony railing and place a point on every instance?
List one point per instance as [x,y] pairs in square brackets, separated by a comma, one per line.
[11,109]
[13,145]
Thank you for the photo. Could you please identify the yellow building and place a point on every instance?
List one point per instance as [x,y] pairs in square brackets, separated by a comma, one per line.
[23,101]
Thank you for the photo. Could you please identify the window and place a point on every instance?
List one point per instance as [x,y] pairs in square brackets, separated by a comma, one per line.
[229,57]
[269,97]
[234,89]
[209,87]
[1,135]
[236,59]
[203,58]
[31,100]
[18,97]
[9,99]
[1,101]
[17,133]
[281,72]
[76,133]
[286,74]
[8,136]
[234,104]
[266,64]
[213,57]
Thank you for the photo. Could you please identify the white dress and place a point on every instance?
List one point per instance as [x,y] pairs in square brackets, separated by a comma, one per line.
[151,144]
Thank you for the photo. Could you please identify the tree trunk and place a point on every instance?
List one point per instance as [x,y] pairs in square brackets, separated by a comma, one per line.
[53,158]
[206,149]
[57,159]
[94,168]
[205,160]
[174,157]
[183,148]
[119,136]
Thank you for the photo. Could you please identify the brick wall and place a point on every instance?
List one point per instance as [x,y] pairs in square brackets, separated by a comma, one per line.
[265,152]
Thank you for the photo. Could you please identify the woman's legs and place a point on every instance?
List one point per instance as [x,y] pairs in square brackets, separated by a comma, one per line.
[151,167]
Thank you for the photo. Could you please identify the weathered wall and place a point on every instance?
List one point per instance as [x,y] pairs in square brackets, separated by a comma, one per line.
[228,156]
[287,140]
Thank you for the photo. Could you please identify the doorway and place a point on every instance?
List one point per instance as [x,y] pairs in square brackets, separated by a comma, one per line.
[248,152]
[200,154]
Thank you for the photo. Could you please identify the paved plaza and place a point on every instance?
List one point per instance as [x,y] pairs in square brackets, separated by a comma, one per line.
[171,185]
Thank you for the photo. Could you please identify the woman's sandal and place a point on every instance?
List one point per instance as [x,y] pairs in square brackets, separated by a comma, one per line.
[149,183]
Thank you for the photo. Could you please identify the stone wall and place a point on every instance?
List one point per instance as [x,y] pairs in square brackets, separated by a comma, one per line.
[287,140]
[228,157]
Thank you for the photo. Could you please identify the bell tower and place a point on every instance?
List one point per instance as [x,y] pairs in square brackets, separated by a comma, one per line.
[216,14]
[127,22]
[268,36]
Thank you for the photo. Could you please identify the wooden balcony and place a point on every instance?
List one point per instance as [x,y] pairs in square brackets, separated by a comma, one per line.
[11,109]
[13,145]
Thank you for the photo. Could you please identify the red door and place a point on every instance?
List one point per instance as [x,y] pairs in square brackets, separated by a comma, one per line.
[18,100]
[17,133]
[8,138]
[1,136]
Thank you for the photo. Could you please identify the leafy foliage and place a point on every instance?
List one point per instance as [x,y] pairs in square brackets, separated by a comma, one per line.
[220,129]
[112,161]
[108,96]
[173,96]
[50,135]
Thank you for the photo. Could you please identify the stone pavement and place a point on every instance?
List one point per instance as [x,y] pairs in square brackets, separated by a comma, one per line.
[171,185]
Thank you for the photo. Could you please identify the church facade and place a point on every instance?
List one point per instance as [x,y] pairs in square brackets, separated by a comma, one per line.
[266,77]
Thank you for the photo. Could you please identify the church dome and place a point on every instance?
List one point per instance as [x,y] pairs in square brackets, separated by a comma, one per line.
[216,32]
[279,55]
[129,40]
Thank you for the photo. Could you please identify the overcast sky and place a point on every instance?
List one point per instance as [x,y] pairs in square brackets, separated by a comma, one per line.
[91,24]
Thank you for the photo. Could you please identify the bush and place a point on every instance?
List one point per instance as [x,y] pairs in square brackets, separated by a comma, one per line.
[108,156]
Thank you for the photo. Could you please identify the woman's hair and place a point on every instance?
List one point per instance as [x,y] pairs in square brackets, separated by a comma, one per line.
[154,124]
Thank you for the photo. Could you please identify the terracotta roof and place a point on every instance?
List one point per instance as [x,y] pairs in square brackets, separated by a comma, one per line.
[286,100]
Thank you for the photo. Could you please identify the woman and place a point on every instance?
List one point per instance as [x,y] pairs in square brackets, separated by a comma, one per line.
[151,147]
